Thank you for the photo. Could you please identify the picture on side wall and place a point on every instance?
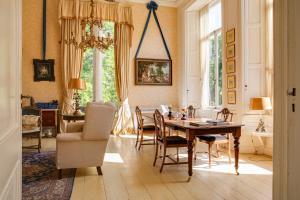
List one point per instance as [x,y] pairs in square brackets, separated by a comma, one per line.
[230,66]
[231,82]
[43,70]
[230,51]
[230,36]
[231,97]
[153,71]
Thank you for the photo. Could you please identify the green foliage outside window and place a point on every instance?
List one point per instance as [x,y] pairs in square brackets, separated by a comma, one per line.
[108,72]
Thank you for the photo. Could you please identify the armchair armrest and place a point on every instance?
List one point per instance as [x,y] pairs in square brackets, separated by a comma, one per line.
[68,137]
[74,127]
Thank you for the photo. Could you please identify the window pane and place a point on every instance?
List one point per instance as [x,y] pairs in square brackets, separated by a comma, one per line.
[215,17]
[212,72]
[108,75]
[220,68]
[87,75]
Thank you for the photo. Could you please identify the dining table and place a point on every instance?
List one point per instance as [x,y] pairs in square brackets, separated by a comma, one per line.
[199,126]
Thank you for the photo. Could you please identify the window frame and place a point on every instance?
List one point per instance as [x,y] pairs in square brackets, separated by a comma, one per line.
[215,34]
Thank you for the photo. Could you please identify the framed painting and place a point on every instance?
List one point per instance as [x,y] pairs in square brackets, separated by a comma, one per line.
[230,66]
[230,51]
[231,97]
[43,70]
[230,36]
[231,82]
[153,71]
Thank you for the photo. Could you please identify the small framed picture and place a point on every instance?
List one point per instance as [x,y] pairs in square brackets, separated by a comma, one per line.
[230,36]
[230,66]
[230,51]
[43,70]
[231,82]
[231,97]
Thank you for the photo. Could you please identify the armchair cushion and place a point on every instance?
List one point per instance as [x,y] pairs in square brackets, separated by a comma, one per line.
[73,127]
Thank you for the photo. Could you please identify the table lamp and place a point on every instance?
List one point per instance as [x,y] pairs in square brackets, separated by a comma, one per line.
[263,104]
[77,84]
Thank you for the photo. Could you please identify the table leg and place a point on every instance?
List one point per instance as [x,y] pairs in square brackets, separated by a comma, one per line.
[236,137]
[191,138]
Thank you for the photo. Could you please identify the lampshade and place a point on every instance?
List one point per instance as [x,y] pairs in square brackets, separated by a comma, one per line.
[260,103]
[77,83]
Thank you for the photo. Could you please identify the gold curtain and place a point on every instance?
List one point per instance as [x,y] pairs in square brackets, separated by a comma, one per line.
[71,61]
[70,14]
[122,63]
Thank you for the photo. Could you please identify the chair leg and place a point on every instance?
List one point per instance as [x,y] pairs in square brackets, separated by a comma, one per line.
[142,139]
[209,153]
[59,173]
[137,138]
[99,171]
[218,150]
[195,149]
[163,160]
[229,151]
[177,155]
[39,143]
[156,151]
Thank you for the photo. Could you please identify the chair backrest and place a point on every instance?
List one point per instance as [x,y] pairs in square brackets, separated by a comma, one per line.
[139,117]
[159,123]
[225,115]
[99,118]
[191,112]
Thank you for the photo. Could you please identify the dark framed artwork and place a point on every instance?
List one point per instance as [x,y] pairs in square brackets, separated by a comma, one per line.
[153,71]
[43,70]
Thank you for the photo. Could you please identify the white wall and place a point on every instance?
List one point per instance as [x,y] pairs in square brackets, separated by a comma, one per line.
[10,136]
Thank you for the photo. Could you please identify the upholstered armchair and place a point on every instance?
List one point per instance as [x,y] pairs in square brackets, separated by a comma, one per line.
[85,143]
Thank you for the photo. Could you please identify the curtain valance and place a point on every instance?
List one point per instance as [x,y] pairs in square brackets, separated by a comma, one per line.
[110,11]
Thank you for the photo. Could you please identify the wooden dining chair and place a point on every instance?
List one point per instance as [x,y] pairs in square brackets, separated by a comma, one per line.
[166,142]
[217,139]
[140,140]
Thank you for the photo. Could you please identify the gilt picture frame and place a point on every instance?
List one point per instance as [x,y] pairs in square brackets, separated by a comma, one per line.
[231,82]
[230,51]
[153,72]
[230,66]
[231,97]
[230,36]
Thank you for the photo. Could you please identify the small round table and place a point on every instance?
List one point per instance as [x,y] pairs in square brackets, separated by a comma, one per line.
[71,117]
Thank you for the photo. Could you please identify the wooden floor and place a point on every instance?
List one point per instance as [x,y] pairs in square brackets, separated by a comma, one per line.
[129,174]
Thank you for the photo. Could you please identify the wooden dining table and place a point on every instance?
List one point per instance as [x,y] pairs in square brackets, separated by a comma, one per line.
[198,126]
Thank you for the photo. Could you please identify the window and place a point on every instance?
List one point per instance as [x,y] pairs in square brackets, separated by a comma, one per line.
[98,71]
[215,54]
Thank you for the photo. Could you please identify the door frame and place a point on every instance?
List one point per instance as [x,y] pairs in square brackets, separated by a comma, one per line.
[280,142]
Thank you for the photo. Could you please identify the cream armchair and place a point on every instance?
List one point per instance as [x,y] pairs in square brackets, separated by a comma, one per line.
[84,144]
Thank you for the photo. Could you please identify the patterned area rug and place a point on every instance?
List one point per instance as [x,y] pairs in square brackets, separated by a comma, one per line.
[39,179]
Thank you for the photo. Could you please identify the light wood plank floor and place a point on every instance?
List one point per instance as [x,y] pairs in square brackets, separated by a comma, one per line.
[129,174]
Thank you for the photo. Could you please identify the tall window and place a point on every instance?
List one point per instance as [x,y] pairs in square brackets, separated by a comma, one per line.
[215,54]
[99,72]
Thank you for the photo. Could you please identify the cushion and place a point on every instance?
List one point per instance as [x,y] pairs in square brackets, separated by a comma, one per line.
[30,122]
[211,138]
[175,140]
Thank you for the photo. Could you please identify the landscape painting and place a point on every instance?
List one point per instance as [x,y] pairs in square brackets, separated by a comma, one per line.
[153,72]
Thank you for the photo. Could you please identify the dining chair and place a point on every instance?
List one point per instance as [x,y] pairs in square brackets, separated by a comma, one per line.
[166,142]
[140,140]
[217,139]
